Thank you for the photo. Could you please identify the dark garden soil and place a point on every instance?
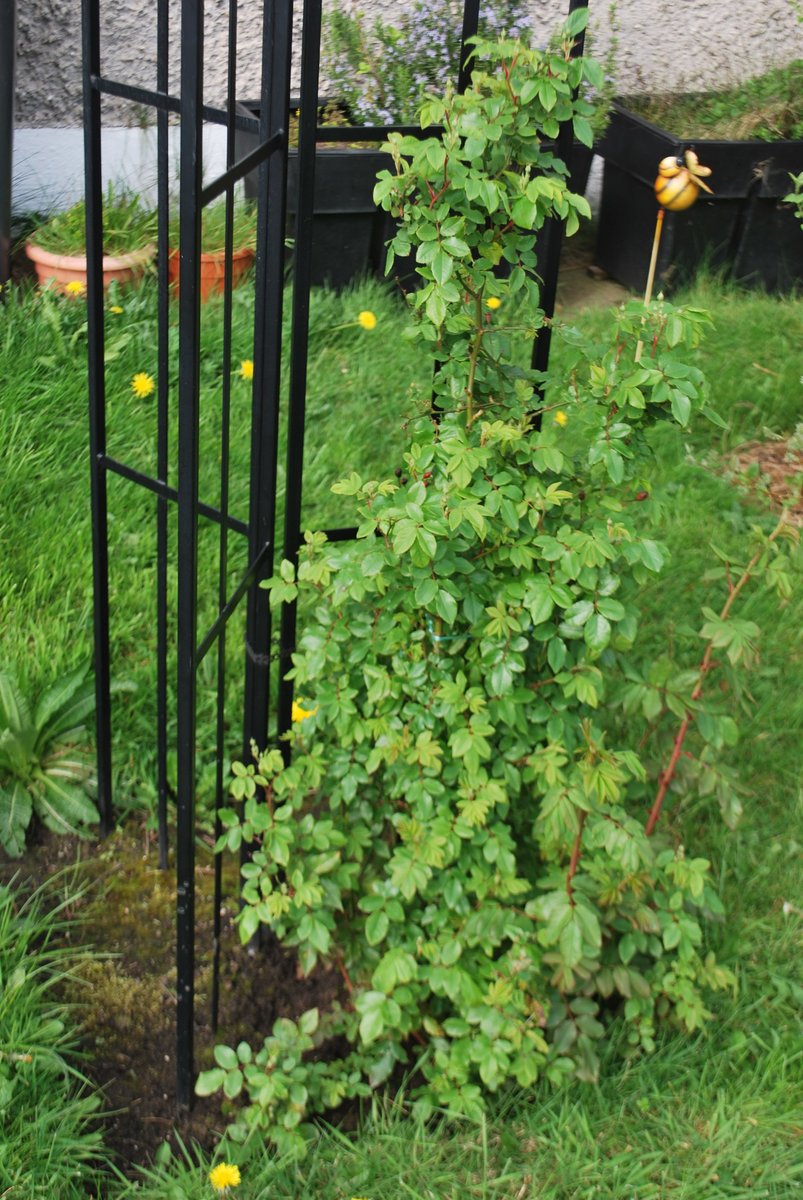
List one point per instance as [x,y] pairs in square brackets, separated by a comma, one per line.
[126,992]
[772,470]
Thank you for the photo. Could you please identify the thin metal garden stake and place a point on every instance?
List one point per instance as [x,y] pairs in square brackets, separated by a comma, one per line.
[471,18]
[299,351]
[97,406]
[189,325]
[223,541]
[162,403]
[272,202]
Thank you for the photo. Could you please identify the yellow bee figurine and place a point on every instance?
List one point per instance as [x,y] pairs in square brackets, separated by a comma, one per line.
[679,181]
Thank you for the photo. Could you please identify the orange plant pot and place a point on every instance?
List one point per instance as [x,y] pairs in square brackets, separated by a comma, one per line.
[57,270]
[213,270]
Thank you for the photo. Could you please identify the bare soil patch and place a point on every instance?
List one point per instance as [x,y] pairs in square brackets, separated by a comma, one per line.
[126,993]
[774,471]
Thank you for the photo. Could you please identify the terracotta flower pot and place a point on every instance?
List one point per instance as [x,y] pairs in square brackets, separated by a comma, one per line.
[57,270]
[213,269]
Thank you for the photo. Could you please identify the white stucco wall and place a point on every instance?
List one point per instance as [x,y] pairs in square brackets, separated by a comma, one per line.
[48,170]
[661,46]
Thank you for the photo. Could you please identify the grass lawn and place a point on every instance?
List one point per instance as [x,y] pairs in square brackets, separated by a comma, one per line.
[51,1139]
[715,1116]
[357,403]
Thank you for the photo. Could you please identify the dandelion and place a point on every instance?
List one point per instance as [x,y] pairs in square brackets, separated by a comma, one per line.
[142,385]
[224,1176]
[367,319]
[493,302]
[116,309]
[561,418]
[75,288]
[247,369]
[299,713]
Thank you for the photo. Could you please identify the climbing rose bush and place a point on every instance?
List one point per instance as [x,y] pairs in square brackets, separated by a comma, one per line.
[453,832]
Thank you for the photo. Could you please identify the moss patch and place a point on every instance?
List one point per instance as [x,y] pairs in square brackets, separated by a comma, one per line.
[125,992]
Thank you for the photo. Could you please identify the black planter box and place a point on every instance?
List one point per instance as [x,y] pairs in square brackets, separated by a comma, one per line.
[743,229]
[349,233]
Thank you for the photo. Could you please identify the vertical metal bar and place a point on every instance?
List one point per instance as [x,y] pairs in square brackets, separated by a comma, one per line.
[163,401]
[272,204]
[97,413]
[471,17]
[8,51]
[302,276]
[551,238]
[192,32]
[224,503]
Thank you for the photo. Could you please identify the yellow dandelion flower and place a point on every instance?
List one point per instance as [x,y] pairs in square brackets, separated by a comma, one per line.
[75,288]
[561,418]
[493,302]
[224,1176]
[143,385]
[299,713]
[247,369]
[116,309]
[367,319]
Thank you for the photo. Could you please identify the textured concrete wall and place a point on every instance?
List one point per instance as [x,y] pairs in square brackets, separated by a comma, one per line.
[662,46]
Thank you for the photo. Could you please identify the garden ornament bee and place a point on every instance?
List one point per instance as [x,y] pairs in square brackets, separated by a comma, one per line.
[679,181]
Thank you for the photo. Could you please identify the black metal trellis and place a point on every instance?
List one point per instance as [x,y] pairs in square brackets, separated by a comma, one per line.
[259,528]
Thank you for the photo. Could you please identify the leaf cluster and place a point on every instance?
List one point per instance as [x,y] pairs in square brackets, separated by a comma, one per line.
[44,767]
[382,71]
[127,225]
[213,227]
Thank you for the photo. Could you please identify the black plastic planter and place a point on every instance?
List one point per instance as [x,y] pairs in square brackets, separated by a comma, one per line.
[349,233]
[743,229]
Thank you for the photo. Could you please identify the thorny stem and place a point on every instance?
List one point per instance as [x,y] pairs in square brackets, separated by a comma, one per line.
[341,966]
[705,666]
[472,362]
[574,861]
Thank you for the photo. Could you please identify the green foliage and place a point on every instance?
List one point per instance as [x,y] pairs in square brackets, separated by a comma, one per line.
[44,769]
[127,226]
[767,108]
[213,227]
[283,1087]
[51,1135]
[458,831]
[382,72]
[795,197]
